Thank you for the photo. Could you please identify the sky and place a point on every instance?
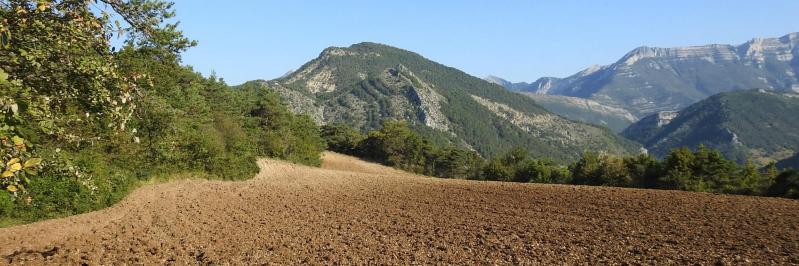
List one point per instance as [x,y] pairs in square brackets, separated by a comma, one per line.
[515,40]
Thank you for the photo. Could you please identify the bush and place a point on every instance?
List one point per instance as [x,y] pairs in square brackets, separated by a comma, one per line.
[398,146]
[785,185]
[342,139]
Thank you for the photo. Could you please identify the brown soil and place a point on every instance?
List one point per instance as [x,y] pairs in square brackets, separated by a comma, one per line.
[357,212]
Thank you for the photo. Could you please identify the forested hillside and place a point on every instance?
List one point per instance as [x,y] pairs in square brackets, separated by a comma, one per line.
[83,122]
[367,83]
[758,125]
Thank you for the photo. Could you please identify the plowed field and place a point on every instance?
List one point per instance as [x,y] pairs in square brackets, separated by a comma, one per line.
[351,211]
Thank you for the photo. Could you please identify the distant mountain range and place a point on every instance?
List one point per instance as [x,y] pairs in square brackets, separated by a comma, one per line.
[649,80]
[368,83]
[759,125]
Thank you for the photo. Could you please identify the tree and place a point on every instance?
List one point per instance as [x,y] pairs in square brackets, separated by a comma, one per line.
[586,170]
[785,185]
[455,162]
[679,173]
[613,172]
[396,145]
[644,170]
[341,138]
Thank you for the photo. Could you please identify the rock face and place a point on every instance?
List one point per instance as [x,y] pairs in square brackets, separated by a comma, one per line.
[648,79]
[759,125]
[367,83]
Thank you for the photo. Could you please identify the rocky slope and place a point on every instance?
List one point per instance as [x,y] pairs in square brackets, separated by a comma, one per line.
[585,110]
[367,83]
[648,80]
[755,124]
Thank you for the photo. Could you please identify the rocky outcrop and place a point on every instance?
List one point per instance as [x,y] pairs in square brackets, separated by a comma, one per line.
[421,95]
[546,126]
[585,110]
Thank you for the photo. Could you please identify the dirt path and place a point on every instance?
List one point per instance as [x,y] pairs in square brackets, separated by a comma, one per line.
[356,212]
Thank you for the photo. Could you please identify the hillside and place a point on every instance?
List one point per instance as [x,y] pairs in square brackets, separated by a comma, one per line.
[585,110]
[792,162]
[756,124]
[648,79]
[366,84]
[353,212]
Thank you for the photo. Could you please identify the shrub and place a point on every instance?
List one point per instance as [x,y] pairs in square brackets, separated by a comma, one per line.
[785,185]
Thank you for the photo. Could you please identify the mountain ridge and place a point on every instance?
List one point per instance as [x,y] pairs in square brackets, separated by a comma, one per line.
[367,83]
[647,80]
[757,125]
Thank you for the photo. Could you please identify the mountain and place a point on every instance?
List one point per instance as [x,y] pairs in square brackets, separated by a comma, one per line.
[368,83]
[761,125]
[585,110]
[648,80]
[539,85]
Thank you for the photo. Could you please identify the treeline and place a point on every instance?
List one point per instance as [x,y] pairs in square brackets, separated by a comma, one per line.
[82,123]
[399,146]
[703,170]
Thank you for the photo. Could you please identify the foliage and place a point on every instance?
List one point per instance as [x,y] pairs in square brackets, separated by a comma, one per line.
[16,165]
[518,166]
[785,185]
[342,138]
[704,170]
[105,120]
[397,145]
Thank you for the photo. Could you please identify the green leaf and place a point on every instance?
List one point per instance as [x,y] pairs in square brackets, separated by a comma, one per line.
[7,174]
[30,172]
[5,39]
[17,140]
[33,162]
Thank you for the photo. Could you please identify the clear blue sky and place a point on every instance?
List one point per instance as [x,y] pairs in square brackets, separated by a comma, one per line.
[516,40]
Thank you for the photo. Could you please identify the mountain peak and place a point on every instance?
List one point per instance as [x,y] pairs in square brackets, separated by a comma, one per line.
[497,80]
[794,36]
[367,83]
